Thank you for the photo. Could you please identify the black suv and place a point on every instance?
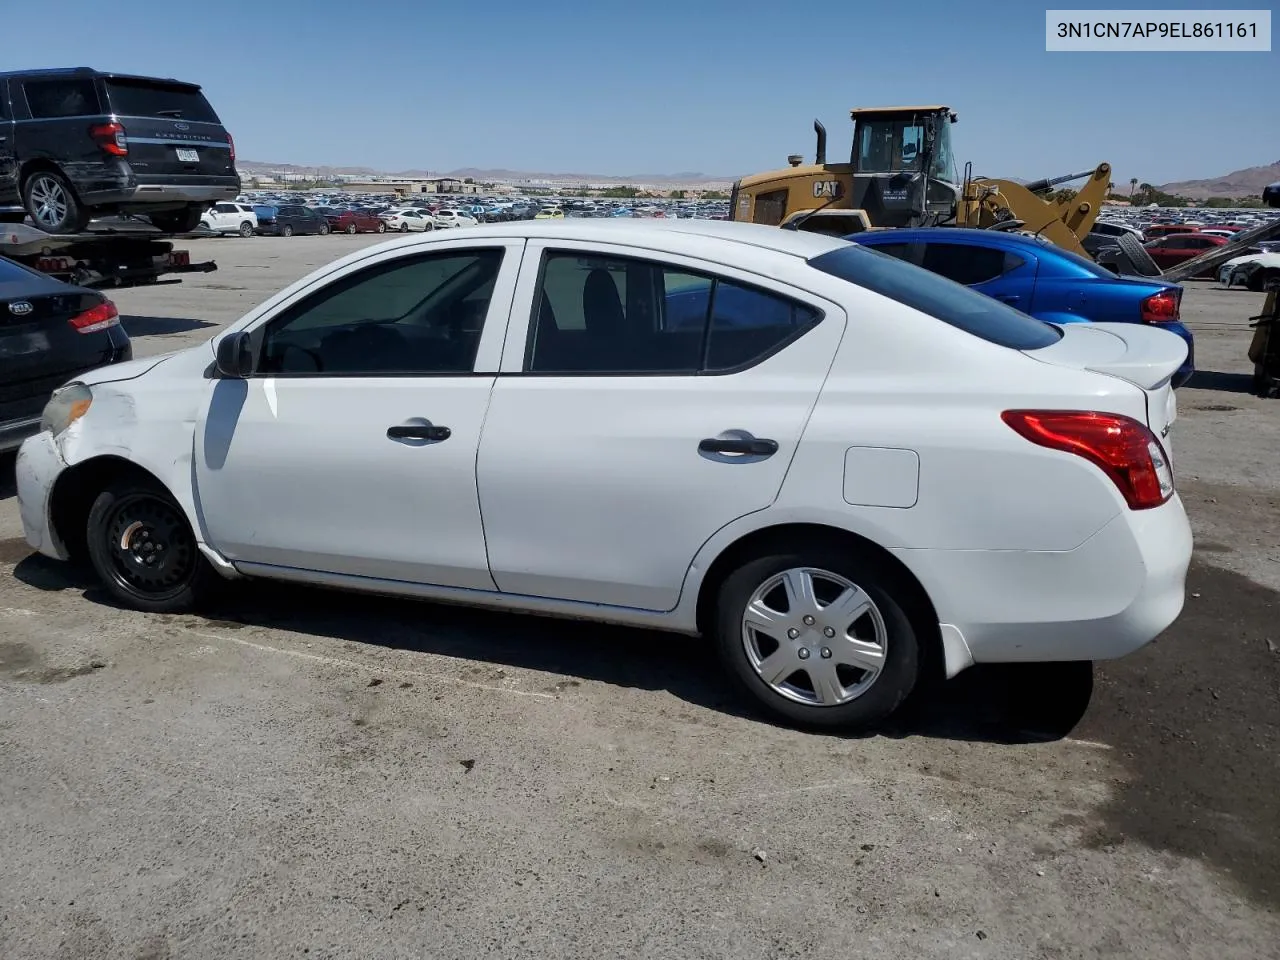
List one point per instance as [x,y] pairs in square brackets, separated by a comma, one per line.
[77,144]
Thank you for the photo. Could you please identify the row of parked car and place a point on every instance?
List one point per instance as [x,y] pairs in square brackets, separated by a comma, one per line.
[285,220]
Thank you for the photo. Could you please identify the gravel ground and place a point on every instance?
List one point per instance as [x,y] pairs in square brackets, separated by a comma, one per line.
[303,773]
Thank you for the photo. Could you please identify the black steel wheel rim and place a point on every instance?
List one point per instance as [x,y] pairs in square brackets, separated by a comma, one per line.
[152,551]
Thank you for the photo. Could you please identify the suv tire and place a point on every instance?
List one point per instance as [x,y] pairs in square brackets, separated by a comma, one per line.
[178,221]
[52,204]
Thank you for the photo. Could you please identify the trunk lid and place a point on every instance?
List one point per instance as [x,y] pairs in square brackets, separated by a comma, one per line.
[172,130]
[1147,357]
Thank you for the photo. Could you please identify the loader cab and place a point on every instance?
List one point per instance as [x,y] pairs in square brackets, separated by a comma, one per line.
[892,148]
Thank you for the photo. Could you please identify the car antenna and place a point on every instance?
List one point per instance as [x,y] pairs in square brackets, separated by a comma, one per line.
[795,224]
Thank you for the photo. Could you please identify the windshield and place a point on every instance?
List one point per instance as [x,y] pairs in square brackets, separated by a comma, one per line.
[943,299]
[896,144]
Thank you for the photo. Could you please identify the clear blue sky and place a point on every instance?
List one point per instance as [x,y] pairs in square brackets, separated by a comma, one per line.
[658,87]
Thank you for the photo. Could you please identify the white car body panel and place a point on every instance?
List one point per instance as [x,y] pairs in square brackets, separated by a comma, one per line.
[587,496]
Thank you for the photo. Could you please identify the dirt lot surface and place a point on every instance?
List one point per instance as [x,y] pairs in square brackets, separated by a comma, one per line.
[310,774]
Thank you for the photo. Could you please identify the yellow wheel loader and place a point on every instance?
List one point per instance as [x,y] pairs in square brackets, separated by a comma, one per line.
[901,172]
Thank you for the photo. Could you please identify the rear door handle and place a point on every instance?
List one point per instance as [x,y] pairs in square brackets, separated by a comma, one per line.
[751,446]
[1009,298]
[419,431]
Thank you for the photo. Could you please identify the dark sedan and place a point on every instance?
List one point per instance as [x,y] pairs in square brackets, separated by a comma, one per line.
[288,219]
[354,221]
[50,332]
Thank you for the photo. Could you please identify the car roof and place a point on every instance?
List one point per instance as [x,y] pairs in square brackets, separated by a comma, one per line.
[995,238]
[797,243]
[91,72]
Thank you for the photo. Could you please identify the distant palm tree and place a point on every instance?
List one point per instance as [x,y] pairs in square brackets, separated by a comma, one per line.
[1133,182]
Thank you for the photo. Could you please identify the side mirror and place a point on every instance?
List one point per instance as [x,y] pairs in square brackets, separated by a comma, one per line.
[235,356]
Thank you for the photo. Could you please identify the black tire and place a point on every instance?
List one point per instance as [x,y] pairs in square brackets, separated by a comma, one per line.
[52,204]
[178,221]
[246,229]
[286,230]
[1258,282]
[351,228]
[324,230]
[892,600]
[143,549]
[404,227]
[382,226]
[1138,256]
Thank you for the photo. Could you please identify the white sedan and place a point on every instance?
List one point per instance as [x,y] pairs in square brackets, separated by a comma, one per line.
[408,220]
[837,466]
[453,218]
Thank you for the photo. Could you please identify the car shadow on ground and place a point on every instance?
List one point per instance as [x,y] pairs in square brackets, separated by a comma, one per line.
[136,326]
[1224,382]
[1005,704]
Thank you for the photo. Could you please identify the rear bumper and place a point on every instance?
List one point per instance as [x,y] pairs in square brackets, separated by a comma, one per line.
[1107,598]
[149,193]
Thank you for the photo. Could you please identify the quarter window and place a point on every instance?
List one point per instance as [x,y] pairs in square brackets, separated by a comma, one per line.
[615,315]
[47,99]
[414,316]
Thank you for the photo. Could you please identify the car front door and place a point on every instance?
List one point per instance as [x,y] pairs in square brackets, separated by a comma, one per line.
[618,440]
[351,449]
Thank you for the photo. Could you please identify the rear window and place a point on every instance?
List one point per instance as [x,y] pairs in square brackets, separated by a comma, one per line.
[149,98]
[937,296]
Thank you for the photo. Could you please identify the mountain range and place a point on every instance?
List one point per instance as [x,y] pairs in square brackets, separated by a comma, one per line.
[1248,182]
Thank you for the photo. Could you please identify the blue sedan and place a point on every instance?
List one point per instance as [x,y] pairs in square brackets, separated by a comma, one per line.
[1038,278]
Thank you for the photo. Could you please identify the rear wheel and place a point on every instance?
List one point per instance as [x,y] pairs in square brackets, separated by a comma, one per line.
[52,204]
[324,229]
[382,226]
[246,229]
[351,228]
[286,230]
[404,226]
[142,547]
[818,636]
[178,221]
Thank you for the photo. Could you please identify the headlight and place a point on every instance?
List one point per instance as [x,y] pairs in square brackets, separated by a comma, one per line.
[67,405]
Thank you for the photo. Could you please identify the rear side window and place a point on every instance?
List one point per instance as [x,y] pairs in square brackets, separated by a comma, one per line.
[943,299]
[47,99]
[617,315]
[150,98]
[966,263]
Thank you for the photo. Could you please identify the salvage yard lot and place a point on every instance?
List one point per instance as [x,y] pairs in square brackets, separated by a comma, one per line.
[307,773]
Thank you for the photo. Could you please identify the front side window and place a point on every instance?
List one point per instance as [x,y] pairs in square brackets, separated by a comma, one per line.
[617,315]
[407,317]
[47,99]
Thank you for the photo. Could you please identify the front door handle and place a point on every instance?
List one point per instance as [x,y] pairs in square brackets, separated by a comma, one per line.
[419,431]
[752,446]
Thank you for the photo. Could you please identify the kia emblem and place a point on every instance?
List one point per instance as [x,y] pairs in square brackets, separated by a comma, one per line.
[20,308]
[182,126]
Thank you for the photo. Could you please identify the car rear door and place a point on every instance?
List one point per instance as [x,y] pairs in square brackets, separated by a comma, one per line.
[613,447]
[10,201]
[174,134]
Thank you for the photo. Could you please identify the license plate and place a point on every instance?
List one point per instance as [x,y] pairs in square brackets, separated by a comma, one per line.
[188,156]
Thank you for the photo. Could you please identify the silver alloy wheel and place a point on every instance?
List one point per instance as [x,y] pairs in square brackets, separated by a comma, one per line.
[814,637]
[49,199]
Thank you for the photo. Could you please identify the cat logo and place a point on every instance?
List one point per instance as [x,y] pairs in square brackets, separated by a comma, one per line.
[826,189]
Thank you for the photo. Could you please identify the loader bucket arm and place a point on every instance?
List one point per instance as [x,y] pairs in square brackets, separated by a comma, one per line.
[1063,224]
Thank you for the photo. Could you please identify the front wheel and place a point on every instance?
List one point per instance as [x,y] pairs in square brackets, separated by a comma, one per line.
[142,548]
[404,226]
[819,637]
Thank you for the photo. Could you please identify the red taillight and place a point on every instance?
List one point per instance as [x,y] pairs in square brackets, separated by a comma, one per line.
[1124,449]
[231,142]
[111,138]
[96,318]
[1161,307]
